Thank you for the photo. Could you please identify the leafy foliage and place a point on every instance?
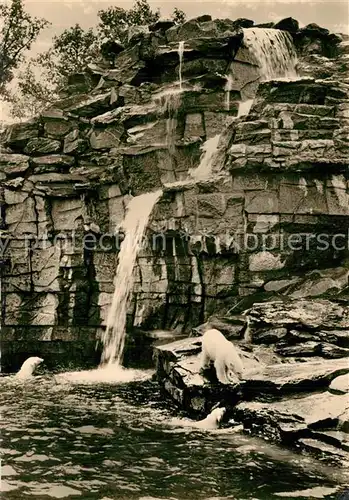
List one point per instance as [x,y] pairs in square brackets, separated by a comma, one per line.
[42,77]
[18,30]
[72,51]
[115,21]
[178,16]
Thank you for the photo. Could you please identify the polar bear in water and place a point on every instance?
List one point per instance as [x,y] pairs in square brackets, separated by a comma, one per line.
[212,420]
[28,367]
[227,362]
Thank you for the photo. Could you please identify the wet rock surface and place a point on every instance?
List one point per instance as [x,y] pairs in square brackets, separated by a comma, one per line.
[318,422]
[340,385]
[291,394]
[141,119]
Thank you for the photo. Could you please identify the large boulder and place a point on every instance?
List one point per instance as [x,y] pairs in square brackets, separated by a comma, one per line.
[178,368]
[18,134]
[340,385]
[317,423]
[42,145]
[13,165]
[288,24]
[310,314]
[285,378]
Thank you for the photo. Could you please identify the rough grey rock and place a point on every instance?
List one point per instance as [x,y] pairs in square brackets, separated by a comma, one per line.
[300,422]
[57,128]
[161,25]
[337,337]
[288,24]
[300,350]
[17,135]
[232,328]
[311,314]
[340,385]
[52,163]
[295,377]
[13,164]
[270,336]
[42,145]
[74,144]
[89,106]
[318,282]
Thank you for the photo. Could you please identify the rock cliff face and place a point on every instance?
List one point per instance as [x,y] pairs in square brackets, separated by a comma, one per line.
[294,388]
[135,122]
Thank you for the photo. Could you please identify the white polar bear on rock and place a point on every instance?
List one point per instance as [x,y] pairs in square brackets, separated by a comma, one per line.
[28,367]
[226,360]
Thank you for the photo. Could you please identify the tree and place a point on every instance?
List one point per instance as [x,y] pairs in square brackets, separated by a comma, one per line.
[41,78]
[178,16]
[71,51]
[18,30]
[115,21]
[33,92]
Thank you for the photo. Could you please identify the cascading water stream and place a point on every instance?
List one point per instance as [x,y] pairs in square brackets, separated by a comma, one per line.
[180,55]
[209,149]
[134,225]
[227,89]
[169,102]
[245,108]
[277,58]
[274,51]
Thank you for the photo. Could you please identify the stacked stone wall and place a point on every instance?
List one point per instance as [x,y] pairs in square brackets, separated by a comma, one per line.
[66,178]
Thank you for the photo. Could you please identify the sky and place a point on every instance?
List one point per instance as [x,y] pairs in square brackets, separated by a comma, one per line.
[331,14]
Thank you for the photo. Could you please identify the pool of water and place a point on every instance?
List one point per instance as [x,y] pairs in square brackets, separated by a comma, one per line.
[100,441]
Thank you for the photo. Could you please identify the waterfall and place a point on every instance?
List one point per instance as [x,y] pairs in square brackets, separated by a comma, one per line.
[227,89]
[210,150]
[134,225]
[180,55]
[274,51]
[244,108]
[169,103]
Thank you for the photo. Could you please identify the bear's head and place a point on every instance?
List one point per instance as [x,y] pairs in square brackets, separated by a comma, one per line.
[28,367]
[217,414]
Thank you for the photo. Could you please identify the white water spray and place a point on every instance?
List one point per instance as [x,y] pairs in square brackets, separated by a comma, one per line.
[134,225]
[210,150]
[180,55]
[169,103]
[274,51]
[228,89]
[244,108]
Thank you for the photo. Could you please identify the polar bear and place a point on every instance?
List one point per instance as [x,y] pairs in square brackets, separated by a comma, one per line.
[227,362]
[28,367]
[212,420]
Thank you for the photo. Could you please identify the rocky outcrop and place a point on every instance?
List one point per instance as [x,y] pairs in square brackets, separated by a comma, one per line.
[317,423]
[136,121]
[298,402]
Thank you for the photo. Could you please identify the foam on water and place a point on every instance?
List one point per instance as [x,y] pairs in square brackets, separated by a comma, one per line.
[110,374]
[134,225]
[274,51]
